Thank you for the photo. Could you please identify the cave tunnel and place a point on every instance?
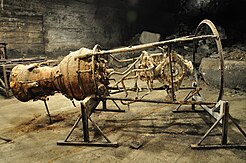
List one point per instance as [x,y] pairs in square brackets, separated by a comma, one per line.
[171,17]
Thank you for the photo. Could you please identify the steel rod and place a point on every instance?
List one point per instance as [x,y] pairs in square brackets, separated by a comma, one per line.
[239,128]
[47,109]
[217,146]
[149,45]
[79,143]
[104,104]
[74,126]
[98,128]
[213,126]
[159,101]
[116,105]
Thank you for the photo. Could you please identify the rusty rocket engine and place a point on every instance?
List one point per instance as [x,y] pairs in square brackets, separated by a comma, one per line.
[75,77]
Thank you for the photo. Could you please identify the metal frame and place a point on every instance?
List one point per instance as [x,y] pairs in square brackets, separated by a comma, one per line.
[88,106]
[192,38]
[194,93]
[190,95]
[221,113]
[47,110]
[194,90]
[217,39]
[193,98]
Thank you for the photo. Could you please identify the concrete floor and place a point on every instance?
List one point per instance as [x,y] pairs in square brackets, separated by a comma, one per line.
[166,136]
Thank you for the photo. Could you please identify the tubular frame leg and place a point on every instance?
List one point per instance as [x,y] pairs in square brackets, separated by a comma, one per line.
[104,104]
[85,123]
[224,138]
[225,123]
[47,110]
[85,117]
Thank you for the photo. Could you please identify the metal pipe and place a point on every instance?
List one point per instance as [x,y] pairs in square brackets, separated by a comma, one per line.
[159,101]
[149,45]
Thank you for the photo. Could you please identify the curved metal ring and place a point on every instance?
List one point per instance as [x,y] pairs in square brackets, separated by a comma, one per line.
[220,52]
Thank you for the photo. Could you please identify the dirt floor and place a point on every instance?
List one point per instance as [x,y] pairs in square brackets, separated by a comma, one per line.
[165,136]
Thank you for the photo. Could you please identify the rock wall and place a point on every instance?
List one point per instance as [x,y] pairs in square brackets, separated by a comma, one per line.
[234,73]
[53,28]
[23,33]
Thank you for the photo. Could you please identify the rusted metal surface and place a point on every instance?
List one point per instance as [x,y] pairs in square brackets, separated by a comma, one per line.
[156,67]
[78,78]
[84,72]
[84,75]
[6,65]
[31,81]
[73,77]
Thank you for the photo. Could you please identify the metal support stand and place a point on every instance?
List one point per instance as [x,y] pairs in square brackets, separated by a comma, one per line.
[104,107]
[87,107]
[224,117]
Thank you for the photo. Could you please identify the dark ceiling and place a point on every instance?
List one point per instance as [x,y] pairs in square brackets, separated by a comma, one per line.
[165,16]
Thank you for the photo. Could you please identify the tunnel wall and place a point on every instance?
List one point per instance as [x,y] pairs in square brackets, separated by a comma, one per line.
[53,28]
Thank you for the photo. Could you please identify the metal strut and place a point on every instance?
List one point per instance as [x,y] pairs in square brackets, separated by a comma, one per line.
[47,110]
